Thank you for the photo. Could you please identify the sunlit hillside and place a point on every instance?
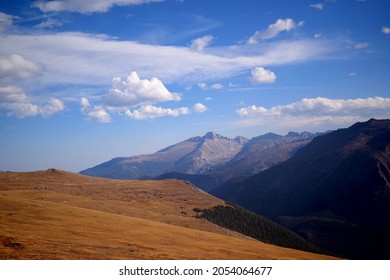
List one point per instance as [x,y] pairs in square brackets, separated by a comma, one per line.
[60,215]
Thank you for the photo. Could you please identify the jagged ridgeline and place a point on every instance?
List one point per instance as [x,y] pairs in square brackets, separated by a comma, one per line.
[243,221]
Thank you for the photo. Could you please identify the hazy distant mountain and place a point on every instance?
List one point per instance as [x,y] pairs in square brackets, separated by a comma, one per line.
[212,151]
[213,158]
[265,151]
[196,155]
[335,191]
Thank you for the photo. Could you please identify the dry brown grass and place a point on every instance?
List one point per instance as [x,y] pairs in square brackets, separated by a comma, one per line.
[61,215]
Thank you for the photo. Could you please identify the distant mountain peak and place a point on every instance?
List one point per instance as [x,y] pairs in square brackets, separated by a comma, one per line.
[293,134]
[211,135]
[241,140]
[269,136]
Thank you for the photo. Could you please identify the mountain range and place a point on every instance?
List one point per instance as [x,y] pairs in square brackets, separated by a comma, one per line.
[213,158]
[335,191]
[332,189]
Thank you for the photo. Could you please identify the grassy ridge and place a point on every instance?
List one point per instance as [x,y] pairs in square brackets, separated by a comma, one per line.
[61,215]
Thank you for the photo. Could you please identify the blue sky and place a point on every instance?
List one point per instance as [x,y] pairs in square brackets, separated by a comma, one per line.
[82,82]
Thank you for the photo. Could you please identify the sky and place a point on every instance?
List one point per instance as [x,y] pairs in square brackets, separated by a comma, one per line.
[82,82]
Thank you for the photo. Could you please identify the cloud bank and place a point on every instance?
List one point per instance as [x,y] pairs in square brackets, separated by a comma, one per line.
[84,7]
[316,113]
[79,58]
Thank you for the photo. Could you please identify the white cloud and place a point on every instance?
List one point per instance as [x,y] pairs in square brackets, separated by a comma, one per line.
[217,86]
[83,6]
[6,21]
[84,102]
[94,112]
[200,43]
[49,23]
[135,91]
[53,106]
[273,30]
[316,113]
[361,45]
[84,59]
[351,74]
[262,75]
[318,6]
[149,112]
[386,29]
[15,67]
[13,99]
[317,35]
[205,86]
[200,108]
[17,104]
[11,94]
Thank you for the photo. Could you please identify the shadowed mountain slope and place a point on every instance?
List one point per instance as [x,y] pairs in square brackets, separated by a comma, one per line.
[335,191]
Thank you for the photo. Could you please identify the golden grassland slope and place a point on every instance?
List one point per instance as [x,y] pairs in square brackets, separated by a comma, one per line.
[56,214]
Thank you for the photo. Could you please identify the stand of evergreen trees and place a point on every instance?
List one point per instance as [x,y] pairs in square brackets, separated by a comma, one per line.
[243,221]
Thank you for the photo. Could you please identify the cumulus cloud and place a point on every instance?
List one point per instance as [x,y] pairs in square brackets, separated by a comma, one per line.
[17,104]
[200,43]
[318,6]
[273,30]
[150,112]
[85,6]
[262,75]
[205,86]
[53,106]
[316,113]
[135,91]
[94,112]
[200,108]
[15,67]
[386,29]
